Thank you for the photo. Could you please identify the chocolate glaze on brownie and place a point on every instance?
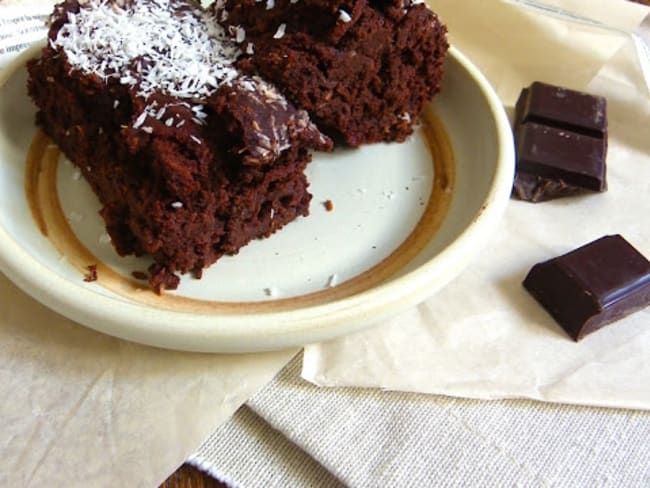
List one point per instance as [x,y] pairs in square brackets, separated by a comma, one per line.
[189,158]
[362,69]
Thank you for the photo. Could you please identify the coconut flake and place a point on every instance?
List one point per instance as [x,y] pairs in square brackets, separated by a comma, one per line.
[279,34]
[240,34]
[140,120]
[344,16]
[406,117]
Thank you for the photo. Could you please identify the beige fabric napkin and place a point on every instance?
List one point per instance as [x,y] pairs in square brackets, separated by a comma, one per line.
[483,336]
[83,409]
[293,433]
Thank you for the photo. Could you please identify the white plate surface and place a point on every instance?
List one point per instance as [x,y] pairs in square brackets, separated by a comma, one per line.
[378,252]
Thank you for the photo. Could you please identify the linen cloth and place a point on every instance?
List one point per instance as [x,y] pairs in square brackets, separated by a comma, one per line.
[369,437]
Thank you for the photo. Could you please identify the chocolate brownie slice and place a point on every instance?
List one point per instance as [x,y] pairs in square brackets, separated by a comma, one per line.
[363,69]
[189,158]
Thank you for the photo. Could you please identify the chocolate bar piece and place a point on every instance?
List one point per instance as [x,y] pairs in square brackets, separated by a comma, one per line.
[563,108]
[593,285]
[561,138]
[535,189]
[559,154]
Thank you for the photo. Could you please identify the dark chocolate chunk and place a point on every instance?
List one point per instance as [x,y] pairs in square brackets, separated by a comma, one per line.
[563,108]
[539,189]
[561,138]
[560,154]
[593,285]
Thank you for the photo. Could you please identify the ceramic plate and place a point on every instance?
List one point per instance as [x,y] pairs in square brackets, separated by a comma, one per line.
[406,219]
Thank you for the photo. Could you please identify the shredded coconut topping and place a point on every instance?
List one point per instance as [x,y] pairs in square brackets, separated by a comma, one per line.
[406,117]
[173,48]
[279,34]
[157,45]
[240,34]
[344,16]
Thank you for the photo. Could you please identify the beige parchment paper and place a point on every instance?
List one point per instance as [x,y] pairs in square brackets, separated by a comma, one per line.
[79,408]
[83,409]
[483,336]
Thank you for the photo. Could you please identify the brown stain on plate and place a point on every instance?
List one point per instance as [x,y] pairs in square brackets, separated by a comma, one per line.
[33,173]
[42,194]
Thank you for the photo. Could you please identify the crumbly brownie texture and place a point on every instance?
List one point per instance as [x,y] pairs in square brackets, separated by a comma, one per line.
[362,68]
[189,158]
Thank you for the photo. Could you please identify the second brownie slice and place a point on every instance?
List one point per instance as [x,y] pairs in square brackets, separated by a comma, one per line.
[362,69]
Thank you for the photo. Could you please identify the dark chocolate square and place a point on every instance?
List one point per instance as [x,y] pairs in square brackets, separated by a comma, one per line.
[577,159]
[561,138]
[562,108]
[593,285]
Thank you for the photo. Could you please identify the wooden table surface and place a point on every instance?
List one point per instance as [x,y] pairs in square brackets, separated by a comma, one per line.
[188,476]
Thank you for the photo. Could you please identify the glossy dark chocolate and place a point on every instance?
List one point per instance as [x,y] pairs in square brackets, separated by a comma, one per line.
[561,138]
[562,108]
[539,189]
[559,154]
[593,285]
